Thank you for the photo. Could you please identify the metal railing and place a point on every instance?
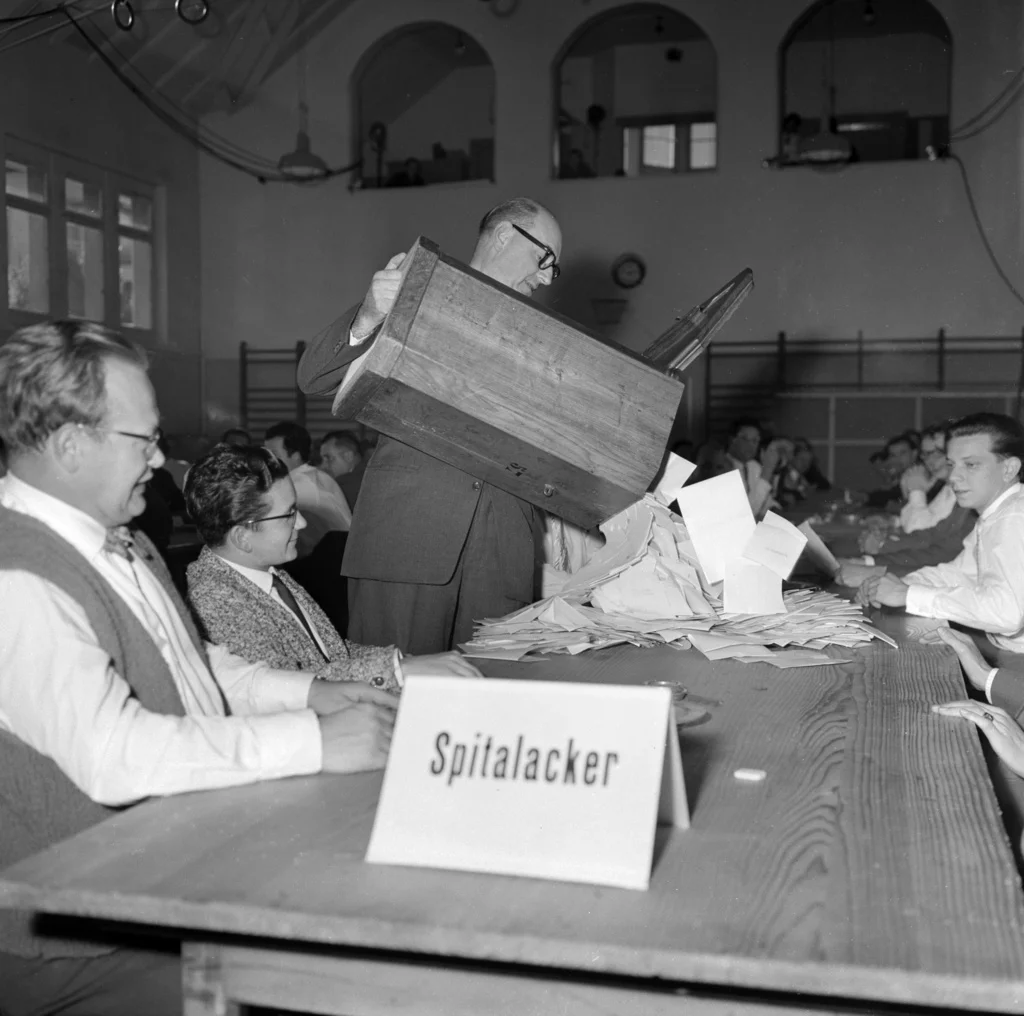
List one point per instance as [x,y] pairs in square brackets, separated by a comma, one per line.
[743,378]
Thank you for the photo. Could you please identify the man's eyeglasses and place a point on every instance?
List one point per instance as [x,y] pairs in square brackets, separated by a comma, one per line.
[289,515]
[549,258]
[152,440]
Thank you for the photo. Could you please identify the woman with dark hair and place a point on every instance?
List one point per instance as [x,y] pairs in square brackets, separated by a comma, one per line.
[243,504]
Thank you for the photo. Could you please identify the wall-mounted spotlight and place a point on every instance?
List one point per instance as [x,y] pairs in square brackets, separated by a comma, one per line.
[123,15]
[192,12]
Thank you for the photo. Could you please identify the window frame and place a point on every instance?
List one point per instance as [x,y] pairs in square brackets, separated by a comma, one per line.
[58,168]
[683,122]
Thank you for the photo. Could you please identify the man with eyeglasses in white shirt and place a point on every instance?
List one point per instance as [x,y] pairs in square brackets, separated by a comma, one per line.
[107,694]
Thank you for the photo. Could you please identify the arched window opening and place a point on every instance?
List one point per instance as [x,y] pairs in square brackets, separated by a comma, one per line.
[424,100]
[864,81]
[636,95]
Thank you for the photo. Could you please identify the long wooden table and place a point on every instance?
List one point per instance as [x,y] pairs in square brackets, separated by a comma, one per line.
[870,865]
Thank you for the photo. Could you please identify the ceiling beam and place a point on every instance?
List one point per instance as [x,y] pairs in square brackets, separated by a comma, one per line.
[202,44]
[280,35]
[254,11]
[109,46]
[55,25]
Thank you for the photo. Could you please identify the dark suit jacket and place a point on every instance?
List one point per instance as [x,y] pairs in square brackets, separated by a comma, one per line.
[927,547]
[414,511]
[1008,692]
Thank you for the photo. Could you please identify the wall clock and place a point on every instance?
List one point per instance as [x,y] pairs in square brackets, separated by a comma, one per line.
[628,270]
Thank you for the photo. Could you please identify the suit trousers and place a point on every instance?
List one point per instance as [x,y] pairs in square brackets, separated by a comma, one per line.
[494,575]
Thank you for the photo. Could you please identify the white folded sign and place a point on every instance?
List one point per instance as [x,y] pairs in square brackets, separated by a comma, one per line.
[543,779]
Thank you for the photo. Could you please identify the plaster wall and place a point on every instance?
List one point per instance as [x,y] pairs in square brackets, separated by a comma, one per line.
[886,248]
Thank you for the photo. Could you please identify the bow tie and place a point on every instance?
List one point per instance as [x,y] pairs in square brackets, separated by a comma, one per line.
[119,541]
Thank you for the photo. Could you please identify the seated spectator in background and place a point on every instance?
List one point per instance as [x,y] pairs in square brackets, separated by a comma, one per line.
[576,167]
[999,722]
[243,502]
[806,465]
[235,436]
[410,175]
[711,460]
[984,586]
[929,497]
[759,475]
[320,499]
[342,459]
[176,470]
[889,494]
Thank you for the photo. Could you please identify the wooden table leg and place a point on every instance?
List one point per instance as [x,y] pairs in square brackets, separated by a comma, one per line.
[202,981]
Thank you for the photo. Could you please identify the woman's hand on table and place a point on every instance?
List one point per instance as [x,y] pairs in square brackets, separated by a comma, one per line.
[883,590]
[976,670]
[439,665]
[1002,731]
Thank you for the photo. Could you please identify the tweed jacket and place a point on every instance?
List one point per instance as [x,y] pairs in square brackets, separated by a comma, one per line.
[414,511]
[234,612]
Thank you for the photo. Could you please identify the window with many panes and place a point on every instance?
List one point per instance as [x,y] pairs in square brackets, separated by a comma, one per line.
[674,147]
[80,241]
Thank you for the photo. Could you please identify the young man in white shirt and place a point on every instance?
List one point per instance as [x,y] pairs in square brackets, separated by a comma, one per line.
[107,695]
[930,499]
[984,586]
[321,501]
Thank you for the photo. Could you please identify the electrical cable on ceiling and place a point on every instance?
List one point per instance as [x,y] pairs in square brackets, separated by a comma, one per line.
[1011,101]
[212,144]
[981,229]
[1014,82]
[36,15]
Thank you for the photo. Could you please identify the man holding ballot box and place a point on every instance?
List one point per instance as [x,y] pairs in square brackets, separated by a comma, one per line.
[433,549]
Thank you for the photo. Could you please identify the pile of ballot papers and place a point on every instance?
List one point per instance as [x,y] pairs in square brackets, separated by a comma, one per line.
[711,579]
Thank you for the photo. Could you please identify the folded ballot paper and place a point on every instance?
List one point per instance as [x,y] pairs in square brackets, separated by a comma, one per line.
[711,579]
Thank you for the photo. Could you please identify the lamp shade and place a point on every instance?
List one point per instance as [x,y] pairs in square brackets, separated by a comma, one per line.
[827,148]
[302,164]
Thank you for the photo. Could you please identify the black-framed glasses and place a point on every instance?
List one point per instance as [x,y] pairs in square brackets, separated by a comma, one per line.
[290,515]
[549,258]
[152,440]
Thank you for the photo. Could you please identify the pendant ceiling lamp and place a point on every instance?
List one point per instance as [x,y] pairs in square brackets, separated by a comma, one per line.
[827,148]
[302,163]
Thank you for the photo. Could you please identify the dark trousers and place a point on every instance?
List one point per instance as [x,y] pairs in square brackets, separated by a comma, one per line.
[494,576]
[122,983]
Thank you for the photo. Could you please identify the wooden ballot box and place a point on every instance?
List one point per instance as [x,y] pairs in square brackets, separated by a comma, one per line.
[467,370]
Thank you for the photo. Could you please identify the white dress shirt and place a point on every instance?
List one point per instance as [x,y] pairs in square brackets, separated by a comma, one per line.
[322,503]
[983,587]
[920,513]
[60,694]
